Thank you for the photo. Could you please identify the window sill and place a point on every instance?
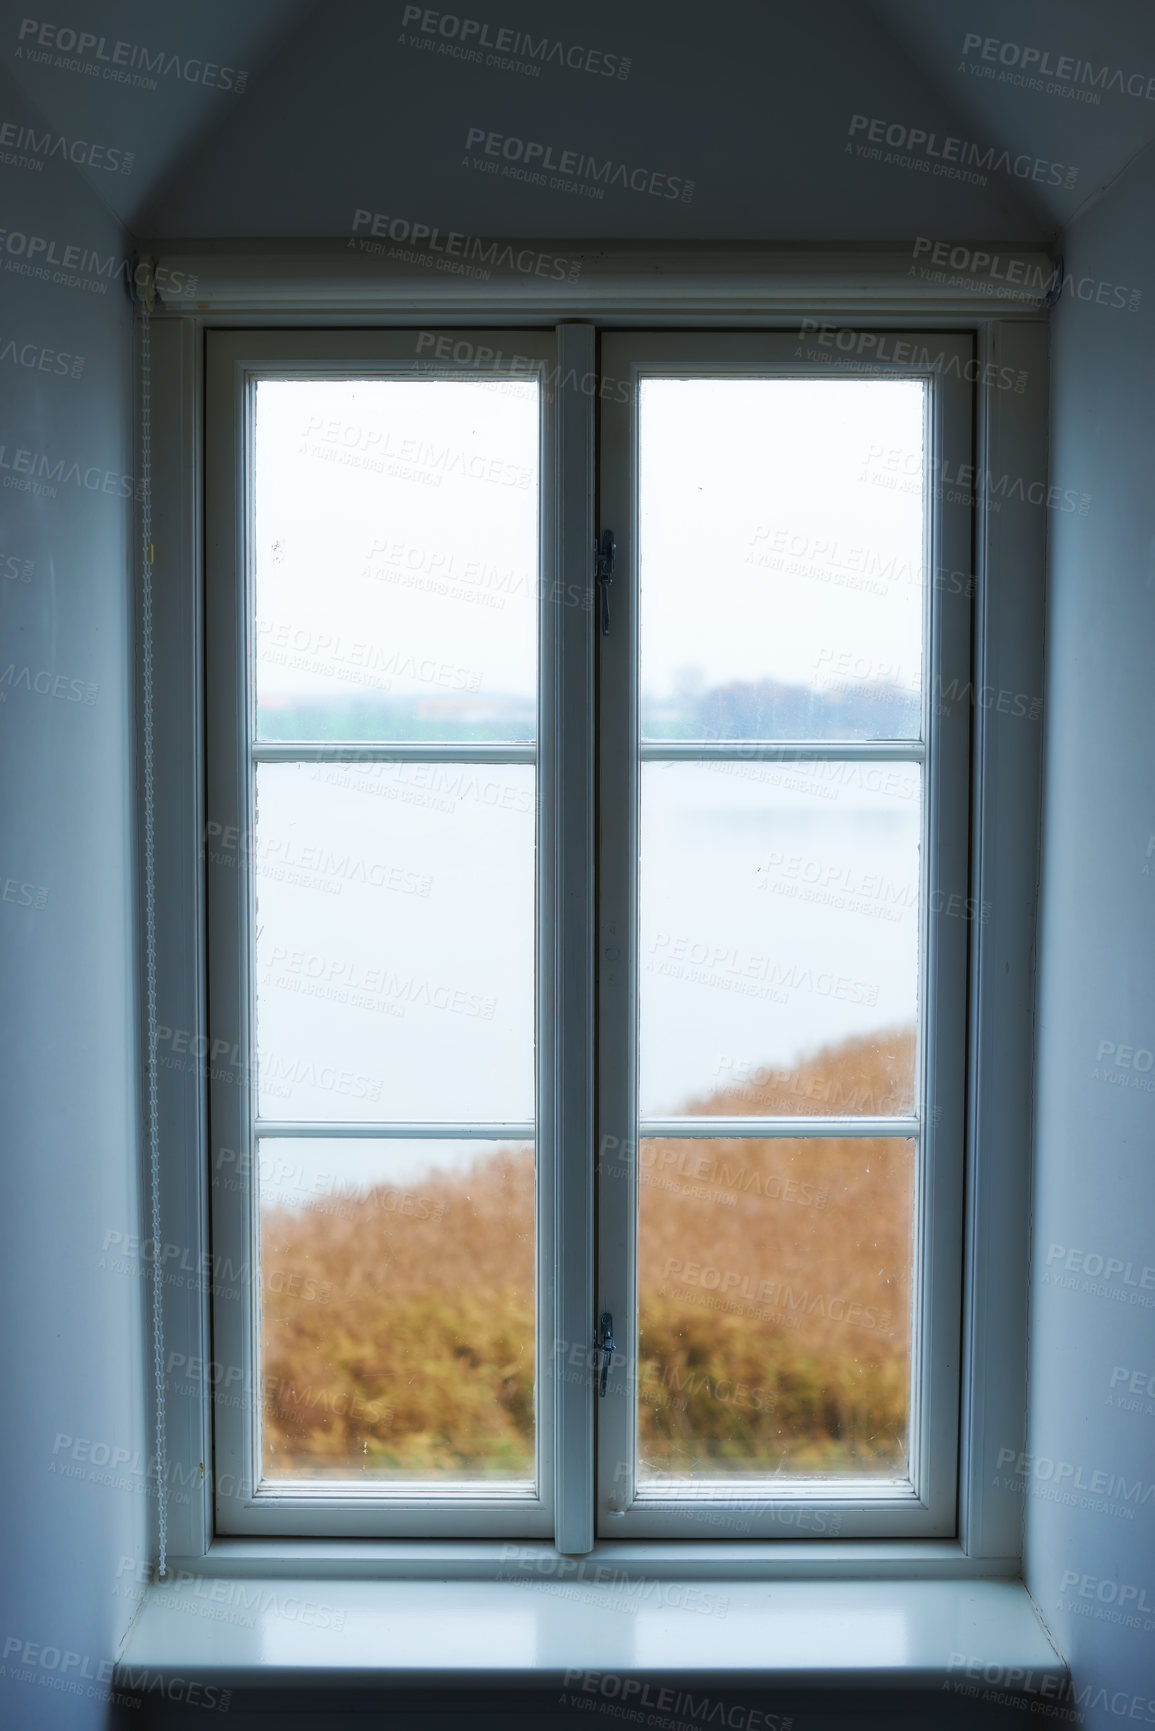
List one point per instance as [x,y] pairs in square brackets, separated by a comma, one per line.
[748,1560]
[273,1632]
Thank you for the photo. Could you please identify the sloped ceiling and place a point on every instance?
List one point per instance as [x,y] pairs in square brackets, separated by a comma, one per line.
[344,109]
[1110,48]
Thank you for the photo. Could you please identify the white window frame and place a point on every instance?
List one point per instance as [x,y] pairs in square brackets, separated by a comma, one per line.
[923,1506]
[236,363]
[622,290]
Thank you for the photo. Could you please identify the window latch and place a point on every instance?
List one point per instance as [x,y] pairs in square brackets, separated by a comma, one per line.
[604,1348]
[604,571]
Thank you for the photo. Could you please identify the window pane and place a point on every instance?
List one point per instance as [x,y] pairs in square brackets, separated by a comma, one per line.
[781,558]
[395,547]
[775,1308]
[397,1310]
[779,916]
[394,940]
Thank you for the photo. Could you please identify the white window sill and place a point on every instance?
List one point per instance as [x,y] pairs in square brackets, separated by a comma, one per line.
[639,1559]
[273,1632]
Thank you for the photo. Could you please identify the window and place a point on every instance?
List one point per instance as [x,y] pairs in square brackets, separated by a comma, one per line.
[783,822]
[588,951]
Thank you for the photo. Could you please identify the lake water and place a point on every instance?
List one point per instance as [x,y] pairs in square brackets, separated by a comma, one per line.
[395,936]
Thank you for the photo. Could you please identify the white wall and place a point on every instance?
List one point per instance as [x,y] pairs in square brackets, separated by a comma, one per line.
[1095,1135]
[71,1363]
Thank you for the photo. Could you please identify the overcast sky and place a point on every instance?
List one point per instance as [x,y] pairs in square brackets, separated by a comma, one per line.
[397,518]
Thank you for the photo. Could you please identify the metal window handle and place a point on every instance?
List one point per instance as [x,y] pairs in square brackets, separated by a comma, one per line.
[604,571]
[604,1345]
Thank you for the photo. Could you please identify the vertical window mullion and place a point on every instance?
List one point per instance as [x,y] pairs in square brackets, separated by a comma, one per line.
[617,942]
[567,757]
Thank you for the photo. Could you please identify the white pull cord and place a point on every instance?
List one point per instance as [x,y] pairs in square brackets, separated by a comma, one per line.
[144,296]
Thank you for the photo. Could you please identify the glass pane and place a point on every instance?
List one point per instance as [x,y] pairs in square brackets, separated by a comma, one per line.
[395,548]
[775,1308]
[397,1310]
[395,940]
[781,552]
[779,919]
